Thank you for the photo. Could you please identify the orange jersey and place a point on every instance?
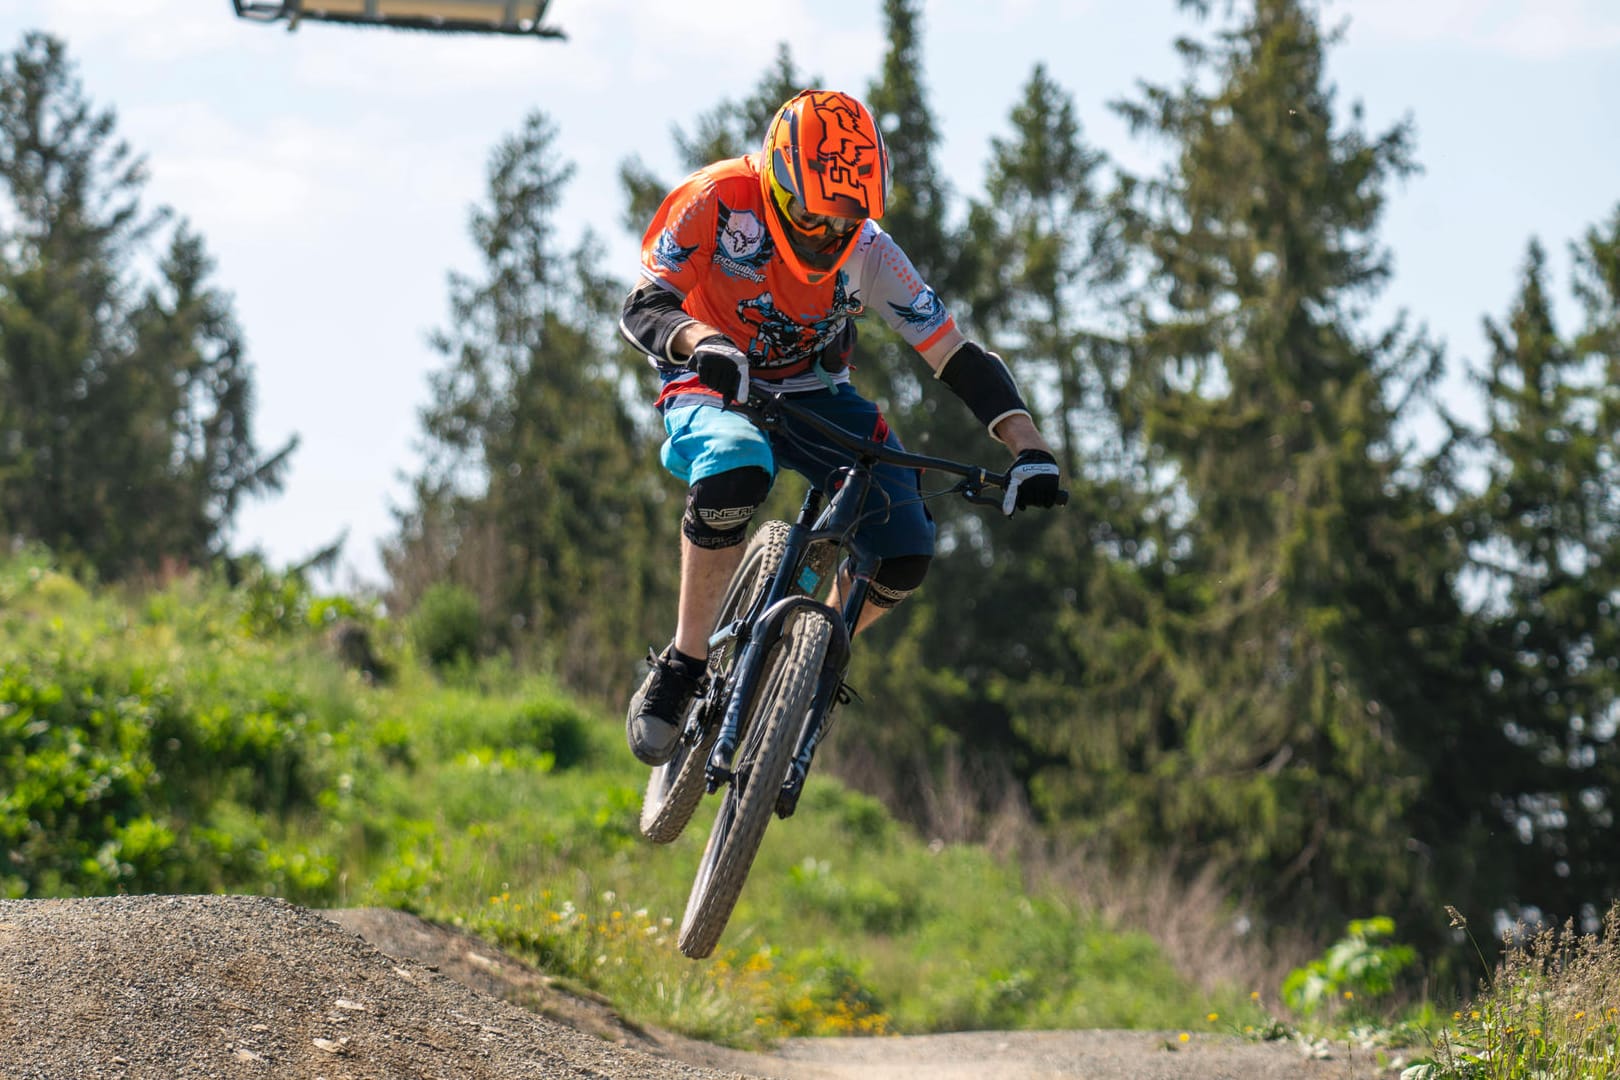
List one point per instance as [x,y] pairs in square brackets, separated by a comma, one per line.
[709,245]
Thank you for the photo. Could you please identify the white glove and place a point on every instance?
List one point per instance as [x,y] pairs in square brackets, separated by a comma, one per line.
[1032,481]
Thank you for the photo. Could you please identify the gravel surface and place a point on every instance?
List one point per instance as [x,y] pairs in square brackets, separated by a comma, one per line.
[177,988]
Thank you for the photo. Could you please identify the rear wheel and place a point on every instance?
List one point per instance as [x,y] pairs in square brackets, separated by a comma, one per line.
[675,788]
[788,685]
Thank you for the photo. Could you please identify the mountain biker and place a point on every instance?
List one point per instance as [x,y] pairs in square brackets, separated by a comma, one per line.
[753,269]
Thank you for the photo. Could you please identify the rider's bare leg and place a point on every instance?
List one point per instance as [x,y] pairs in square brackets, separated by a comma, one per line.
[705,573]
[870,613]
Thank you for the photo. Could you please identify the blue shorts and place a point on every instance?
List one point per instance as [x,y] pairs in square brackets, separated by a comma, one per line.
[705,440]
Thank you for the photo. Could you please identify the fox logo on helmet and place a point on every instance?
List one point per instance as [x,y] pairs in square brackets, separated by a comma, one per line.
[845,158]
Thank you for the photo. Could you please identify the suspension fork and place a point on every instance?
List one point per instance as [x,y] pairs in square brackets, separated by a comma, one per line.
[818,719]
[766,633]
[842,517]
[754,635]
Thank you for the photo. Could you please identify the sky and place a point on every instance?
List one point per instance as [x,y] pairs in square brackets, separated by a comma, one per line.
[331,170]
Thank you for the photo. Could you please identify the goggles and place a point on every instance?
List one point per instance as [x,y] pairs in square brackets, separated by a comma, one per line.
[818,223]
[823,227]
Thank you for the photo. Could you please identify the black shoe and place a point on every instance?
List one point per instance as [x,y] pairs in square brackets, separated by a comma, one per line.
[652,727]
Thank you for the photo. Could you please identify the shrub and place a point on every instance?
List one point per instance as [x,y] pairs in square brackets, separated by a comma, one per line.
[1359,968]
[447,626]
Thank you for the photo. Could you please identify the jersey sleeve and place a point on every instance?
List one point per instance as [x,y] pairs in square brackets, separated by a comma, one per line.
[678,244]
[901,297]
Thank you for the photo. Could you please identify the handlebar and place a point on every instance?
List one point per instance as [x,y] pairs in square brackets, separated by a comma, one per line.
[766,410]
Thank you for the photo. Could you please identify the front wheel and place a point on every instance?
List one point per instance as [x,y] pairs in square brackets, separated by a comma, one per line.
[675,788]
[787,689]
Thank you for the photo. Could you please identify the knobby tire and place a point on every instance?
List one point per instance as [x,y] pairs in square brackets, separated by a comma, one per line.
[675,788]
[787,689]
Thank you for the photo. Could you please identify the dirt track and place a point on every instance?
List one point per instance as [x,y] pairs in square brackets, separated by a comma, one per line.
[176,988]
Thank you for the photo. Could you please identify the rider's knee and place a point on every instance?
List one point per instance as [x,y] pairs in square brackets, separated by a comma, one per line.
[896,579]
[719,506]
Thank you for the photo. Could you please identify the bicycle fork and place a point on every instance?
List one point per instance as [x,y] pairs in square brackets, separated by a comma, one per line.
[750,666]
[830,691]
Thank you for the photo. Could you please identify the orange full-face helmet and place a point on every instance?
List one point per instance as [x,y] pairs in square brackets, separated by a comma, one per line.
[824,171]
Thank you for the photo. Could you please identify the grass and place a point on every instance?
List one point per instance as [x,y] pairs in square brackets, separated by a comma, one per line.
[849,924]
[1550,1010]
[200,738]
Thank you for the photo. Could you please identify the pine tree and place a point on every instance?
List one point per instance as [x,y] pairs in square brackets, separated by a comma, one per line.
[188,380]
[1286,647]
[1058,264]
[987,624]
[923,663]
[125,427]
[76,198]
[921,410]
[540,490]
[1546,531]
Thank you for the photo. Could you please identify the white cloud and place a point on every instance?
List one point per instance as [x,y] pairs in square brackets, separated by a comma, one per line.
[286,173]
[1557,28]
[147,30]
[1527,29]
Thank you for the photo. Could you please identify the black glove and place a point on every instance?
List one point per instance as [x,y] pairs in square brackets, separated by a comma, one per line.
[721,367]
[1032,481]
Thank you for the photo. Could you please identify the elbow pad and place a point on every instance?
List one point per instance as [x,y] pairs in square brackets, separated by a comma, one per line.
[652,317]
[981,380]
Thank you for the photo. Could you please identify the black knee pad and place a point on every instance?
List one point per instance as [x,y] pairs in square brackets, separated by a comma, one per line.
[896,579]
[718,507]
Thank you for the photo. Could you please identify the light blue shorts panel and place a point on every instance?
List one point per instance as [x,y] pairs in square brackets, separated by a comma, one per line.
[704,441]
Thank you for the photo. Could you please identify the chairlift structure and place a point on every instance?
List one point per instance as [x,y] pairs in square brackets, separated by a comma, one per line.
[450,16]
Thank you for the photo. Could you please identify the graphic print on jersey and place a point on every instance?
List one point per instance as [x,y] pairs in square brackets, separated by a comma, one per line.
[669,254]
[924,312]
[742,246]
[706,245]
[779,340]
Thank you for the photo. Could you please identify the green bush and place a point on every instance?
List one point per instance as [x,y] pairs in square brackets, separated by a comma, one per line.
[157,747]
[530,720]
[447,626]
[1357,970]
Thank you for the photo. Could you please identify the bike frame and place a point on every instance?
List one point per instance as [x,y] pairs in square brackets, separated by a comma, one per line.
[758,630]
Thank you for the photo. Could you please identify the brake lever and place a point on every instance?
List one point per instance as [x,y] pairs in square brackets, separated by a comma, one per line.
[762,408]
[971,488]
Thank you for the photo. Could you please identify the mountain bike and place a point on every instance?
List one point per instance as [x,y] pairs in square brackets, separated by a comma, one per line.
[777,660]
